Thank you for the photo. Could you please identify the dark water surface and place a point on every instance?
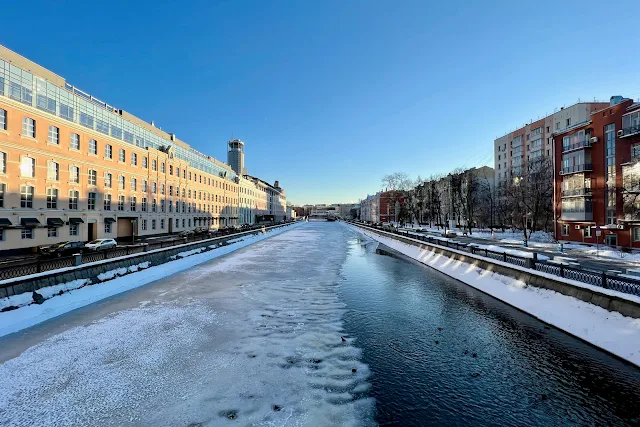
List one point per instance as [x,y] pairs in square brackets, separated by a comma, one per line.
[419,331]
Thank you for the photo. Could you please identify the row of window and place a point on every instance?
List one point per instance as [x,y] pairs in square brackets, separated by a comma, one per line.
[587,232]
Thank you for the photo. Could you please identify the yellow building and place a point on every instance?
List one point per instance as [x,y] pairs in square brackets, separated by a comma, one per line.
[73,167]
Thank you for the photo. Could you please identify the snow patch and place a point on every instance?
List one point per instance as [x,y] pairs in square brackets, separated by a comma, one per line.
[26,298]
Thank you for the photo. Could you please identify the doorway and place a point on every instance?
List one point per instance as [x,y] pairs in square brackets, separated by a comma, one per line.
[170,225]
[611,240]
[92,231]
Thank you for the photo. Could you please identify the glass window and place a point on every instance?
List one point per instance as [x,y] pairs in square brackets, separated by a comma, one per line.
[635,232]
[86,120]
[154,187]
[134,159]
[52,232]
[52,198]
[91,201]
[122,156]
[121,203]
[108,151]
[121,180]
[92,177]
[53,171]
[66,112]
[153,224]
[73,229]
[107,202]
[3,119]
[74,141]
[26,233]
[144,204]
[107,179]
[28,166]
[3,162]
[162,167]
[45,103]
[132,203]
[21,93]
[73,199]
[3,190]
[28,127]
[144,186]
[93,147]
[26,196]
[144,162]
[170,169]
[102,126]
[107,228]
[116,132]
[74,174]
[162,189]
[128,136]
[154,165]
[153,205]
[162,224]
[134,184]
[162,203]
[144,224]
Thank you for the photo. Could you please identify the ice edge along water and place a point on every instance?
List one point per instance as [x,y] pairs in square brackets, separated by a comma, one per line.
[607,330]
[30,315]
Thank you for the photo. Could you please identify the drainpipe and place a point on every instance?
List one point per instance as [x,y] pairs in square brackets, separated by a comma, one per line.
[553,199]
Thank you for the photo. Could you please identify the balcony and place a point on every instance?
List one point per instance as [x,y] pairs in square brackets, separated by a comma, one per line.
[585,143]
[577,192]
[583,167]
[629,131]
[571,215]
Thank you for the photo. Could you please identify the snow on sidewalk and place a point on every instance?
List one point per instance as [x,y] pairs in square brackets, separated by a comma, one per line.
[30,315]
[610,331]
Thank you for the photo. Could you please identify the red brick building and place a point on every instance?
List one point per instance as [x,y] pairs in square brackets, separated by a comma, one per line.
[391,203]
[597,177]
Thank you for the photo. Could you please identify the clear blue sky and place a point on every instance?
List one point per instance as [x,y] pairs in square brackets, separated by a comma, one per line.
[329,96]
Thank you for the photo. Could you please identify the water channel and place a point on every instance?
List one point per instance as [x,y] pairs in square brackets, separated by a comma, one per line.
[313,327]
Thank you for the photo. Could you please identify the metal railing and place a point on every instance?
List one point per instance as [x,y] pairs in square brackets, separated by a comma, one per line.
[583,167]
[42,264]
[584,191]
[600,279]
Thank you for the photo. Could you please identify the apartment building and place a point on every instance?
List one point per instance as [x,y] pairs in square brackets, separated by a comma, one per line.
[513,151]
[597,180]
[73,167]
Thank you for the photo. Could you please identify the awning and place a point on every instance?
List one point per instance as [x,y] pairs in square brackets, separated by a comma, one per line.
[55,222]
[109,220]
[4,222]
[75,221]
[29,222]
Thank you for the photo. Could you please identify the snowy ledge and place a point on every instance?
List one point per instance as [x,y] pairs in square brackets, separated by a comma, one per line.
[30,315]
[607,330]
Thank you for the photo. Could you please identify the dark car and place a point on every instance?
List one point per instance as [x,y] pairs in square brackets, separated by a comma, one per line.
[62,249]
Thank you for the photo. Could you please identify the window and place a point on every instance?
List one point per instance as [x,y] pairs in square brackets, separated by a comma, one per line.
[635,234]
[3,119]
[52,232]
[144,186]
[107,202]
[153,205]
[184,192]
[189,222]
[587,231]
[154,165]
[73,199]
[73,229]
[134,159]
[86,120]
[183,222]
[565,229]
[132,203]
[144,224]
[162,189]
[154,187]
[177,223]
[134,184]
[26,233]
[178,172]
[189,175]
[28,166]
[170,206]
[53,171]
[66,112]
[91,201]
[144,162]
[144,204]
[162,202]
[184,208]
[108,151]
[102,126]
[107,228]
[54,135]
[121,203]
[153,224]
[162,224]
[170,169]
[107,179]
[52,198]
[184,174]
[568,122]
[74,141]
[74,174]
[171,189]
[122,155]
[93,147]
[28,127]
[121,182]
[557,125]
[26,196]
[3,190]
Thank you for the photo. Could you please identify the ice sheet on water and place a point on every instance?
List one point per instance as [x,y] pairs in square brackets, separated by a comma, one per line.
[258,342]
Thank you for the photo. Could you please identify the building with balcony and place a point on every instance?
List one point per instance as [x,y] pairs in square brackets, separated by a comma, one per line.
[73,167]
[515,150]
[597,177]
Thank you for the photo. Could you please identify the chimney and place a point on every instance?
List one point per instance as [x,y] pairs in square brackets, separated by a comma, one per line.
[153,124]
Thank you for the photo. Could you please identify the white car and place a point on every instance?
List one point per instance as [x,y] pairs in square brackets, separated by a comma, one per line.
[101,244]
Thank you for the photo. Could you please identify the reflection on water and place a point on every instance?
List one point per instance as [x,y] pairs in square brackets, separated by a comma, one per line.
[442,353]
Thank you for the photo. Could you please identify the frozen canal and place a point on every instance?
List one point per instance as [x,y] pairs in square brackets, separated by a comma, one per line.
[255,339]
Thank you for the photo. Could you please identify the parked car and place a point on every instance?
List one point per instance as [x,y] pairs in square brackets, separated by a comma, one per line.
[199,230]
[245,227]
[101,244]
[213,230]
[62,249]
[185,233]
